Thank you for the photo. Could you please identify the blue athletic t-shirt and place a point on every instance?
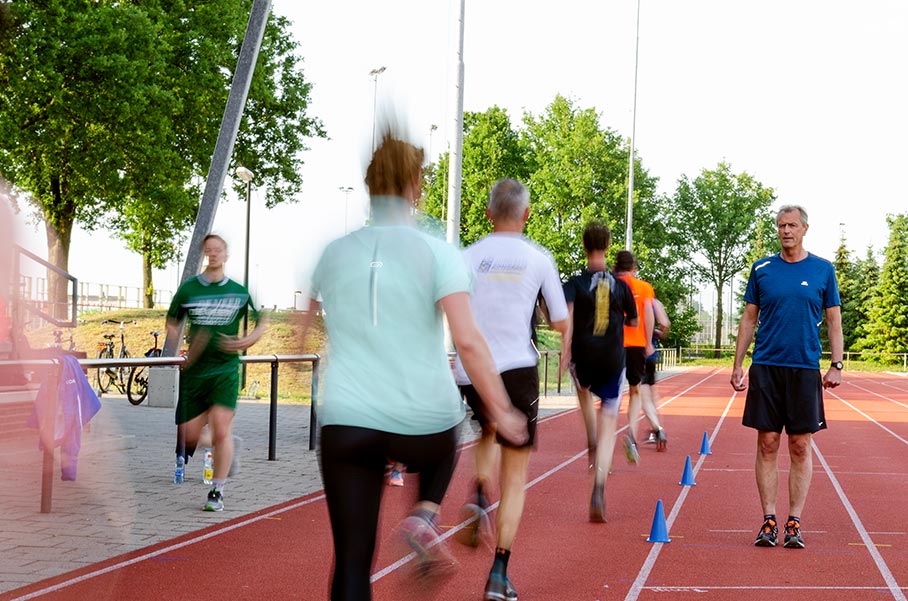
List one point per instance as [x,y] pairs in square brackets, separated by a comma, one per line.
[791,298]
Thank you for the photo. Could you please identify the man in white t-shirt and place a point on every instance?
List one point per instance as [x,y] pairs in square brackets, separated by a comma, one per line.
[509,272]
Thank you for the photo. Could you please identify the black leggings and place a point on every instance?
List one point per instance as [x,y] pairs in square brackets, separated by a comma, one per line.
[353,465]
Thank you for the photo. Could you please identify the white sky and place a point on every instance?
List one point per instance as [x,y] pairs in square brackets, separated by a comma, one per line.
[808,96]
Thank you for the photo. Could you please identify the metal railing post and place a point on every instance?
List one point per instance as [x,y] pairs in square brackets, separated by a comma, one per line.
[313,417]
[272,419]
[48,435]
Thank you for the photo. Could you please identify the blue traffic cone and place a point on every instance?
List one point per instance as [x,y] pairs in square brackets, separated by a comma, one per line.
[704,446]
[659,533]
[687,479]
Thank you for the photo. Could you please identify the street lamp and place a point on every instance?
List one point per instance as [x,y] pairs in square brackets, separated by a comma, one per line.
[375,73]
[245,175]
[346,190]
[432,129]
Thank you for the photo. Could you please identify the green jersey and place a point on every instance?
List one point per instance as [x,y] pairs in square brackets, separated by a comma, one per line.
[214,309]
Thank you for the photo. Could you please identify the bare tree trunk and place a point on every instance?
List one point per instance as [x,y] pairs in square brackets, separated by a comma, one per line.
[147,283]
[59,235]
[719,315]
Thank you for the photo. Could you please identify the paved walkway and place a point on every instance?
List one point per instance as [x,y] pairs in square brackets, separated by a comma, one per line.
[123,498]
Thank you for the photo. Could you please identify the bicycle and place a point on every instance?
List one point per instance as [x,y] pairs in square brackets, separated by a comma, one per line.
[58,340]
[113,376]
[137,387]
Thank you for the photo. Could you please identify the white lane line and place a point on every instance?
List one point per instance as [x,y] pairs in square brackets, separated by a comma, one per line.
[870,419]
[707,588]
[865,536]
[185,543]
[452,531]
[650,562]
[882,396]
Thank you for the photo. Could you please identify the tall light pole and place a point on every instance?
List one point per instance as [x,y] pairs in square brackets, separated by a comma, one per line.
[375,73]
[346,190]
[245,175]
[629,237]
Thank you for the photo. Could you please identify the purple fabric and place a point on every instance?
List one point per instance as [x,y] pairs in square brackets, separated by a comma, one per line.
[78,403]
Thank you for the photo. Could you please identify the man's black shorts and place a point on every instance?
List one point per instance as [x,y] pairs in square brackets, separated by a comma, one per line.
[636,364]
[649,376]
[789,397]
[522,385]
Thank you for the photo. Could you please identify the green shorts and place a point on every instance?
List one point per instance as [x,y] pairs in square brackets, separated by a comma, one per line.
[198,393]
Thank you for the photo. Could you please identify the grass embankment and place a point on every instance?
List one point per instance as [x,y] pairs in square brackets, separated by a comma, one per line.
[280,338]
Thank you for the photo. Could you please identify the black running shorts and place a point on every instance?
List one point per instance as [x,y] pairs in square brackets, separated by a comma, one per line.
[649,375]
[636,364]
[522,385]
[784,397]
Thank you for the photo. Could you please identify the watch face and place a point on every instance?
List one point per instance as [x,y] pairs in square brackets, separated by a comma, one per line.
[837,364]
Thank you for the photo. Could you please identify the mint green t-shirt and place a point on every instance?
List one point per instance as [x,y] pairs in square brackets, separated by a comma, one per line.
[213,309]
[387,367]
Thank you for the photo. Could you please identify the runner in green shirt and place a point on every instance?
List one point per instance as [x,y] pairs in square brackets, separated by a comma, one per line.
[209,382]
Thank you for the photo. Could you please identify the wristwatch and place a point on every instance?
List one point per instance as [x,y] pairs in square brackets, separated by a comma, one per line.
[838,365]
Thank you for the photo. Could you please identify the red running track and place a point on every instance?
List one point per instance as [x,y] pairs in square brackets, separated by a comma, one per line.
[854,525]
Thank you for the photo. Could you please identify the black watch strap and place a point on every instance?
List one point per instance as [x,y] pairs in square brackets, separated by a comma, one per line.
[838,365]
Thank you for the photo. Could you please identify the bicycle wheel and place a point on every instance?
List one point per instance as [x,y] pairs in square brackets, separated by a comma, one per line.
[106,375]
[122,377]
[137,388]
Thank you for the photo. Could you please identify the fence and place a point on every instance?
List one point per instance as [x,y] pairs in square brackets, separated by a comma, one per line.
[46,428]
[92,296]
[728,353]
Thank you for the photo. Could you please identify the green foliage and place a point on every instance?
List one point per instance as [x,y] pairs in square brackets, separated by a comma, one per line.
[109,112]
[867,275]
[847,274]
[887,325]
[715,220]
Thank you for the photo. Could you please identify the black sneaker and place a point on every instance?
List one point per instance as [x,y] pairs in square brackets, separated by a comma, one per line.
[215,501]
[769,534]
[498,588]
[793,539]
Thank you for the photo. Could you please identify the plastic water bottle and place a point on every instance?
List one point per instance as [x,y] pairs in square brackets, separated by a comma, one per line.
[178,470]
[208,467]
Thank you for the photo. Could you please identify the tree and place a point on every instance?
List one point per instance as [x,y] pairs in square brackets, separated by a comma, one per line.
[715,219]
[849,293]
[577,173]
[109,112]
[490,152]
[867,276]
[887,326]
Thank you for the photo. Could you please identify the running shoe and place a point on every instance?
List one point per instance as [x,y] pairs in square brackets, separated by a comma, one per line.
[432,555]
[499,588]
[661,441]
[630,450]
[651,439]
[793,538]
[479,526]
[769,534]
[215,501]
[597,504]
[395,478]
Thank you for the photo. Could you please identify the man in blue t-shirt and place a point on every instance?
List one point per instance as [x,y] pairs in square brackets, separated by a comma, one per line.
[787,295]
